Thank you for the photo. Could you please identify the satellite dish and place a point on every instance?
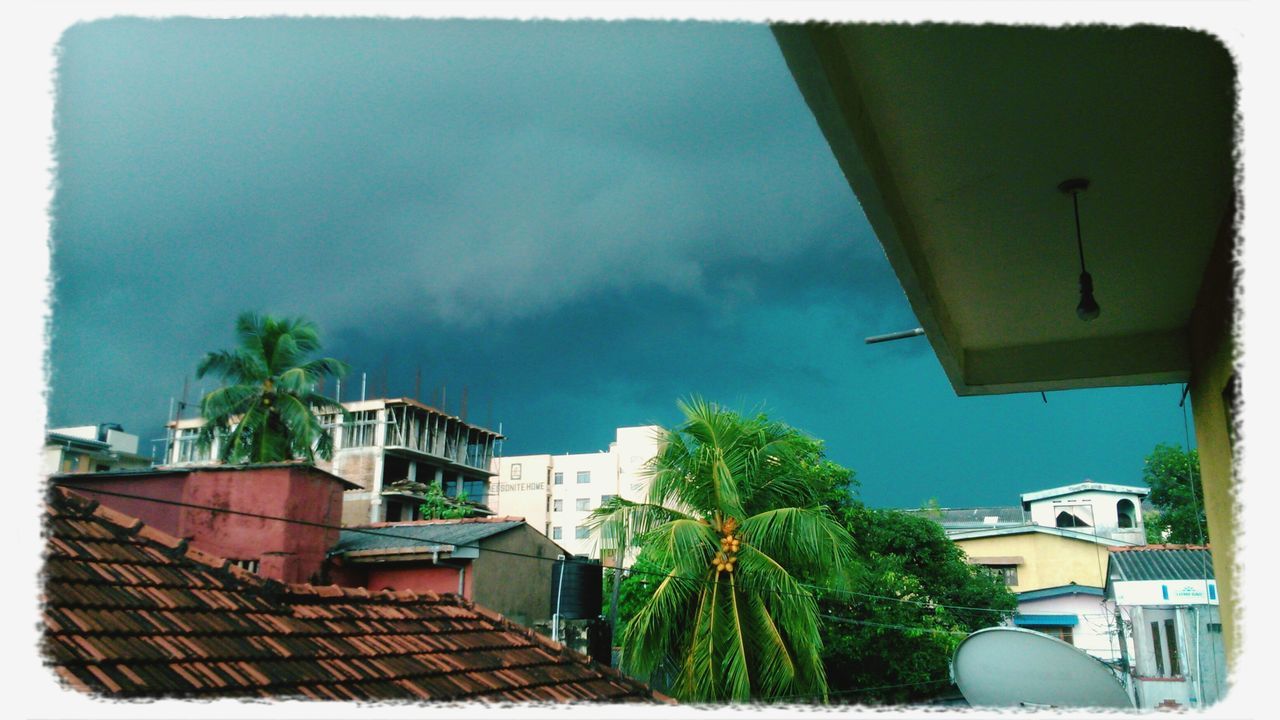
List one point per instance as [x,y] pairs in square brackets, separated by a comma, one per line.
[1006,666]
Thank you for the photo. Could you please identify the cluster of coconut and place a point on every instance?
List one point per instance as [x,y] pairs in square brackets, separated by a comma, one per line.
[729,545]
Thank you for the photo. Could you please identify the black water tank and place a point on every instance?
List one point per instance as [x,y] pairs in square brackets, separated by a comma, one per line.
[581,598]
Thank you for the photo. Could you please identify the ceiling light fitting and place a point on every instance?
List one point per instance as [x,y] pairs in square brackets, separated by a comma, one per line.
[1088,308]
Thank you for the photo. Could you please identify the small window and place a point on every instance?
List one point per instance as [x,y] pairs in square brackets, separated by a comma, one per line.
[557,533]
[606,499]
[581,532]
[559,478]
[584,503]
[1008,574]
[1062,632]
[1155,646]
[515,471]
[584,477]
[1126,516]
[557,505]
[1171,639]
[1214,627]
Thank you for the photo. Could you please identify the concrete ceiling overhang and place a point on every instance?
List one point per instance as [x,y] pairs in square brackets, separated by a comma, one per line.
[955,138]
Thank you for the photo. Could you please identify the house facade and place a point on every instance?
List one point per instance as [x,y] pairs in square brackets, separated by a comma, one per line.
[557,493]
[499,562]
[1168,599]
[391,449]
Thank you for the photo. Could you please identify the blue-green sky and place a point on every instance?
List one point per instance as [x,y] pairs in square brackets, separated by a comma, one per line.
[577,222]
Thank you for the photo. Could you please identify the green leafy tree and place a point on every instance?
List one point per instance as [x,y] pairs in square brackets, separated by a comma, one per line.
[890,640]
[738,531]
[1173,476]
[265,411]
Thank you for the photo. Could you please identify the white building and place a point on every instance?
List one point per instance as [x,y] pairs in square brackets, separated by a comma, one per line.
[1168,598]
[1112,511]
[556,493]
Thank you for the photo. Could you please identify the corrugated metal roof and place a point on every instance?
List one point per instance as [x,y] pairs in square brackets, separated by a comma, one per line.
[971,516]
[1160,562]
[420,534]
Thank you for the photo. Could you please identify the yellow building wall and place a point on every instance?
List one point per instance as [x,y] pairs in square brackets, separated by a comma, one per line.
[1212,369]
[1047,560]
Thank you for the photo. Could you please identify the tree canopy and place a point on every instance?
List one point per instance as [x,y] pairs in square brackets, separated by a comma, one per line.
[265,411]
[1173,475]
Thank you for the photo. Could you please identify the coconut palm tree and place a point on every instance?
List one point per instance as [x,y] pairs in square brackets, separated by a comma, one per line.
[266,409]
[738,528]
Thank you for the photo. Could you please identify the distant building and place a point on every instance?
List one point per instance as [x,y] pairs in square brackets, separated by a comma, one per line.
[1168,599]
[392,449]
[91,448]
[1052,551]
[557,493]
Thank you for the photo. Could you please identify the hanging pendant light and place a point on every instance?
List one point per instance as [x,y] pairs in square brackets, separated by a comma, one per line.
[1088,308]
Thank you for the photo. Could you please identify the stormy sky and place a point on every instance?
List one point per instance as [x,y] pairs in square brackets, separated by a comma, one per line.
[578,223]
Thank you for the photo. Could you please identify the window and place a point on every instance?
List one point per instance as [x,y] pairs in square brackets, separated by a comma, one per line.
[1062,632]
[557,505]
[581,532]
[606,499]
[515,471]
[1155,646]
[1171,640]
[1069,520]
[1125,514]
[584,503]
[557,533]
[1007,573]
[559,478]
[1214,627]
[584,477]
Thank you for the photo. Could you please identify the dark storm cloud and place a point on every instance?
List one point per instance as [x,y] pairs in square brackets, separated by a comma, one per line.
[576,222]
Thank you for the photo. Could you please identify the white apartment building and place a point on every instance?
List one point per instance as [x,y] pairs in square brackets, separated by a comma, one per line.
[556,493]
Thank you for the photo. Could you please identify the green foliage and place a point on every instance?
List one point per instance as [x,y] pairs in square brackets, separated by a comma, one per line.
[435,506]
[265,411]
[906,641]
[1171,473]
[736,529]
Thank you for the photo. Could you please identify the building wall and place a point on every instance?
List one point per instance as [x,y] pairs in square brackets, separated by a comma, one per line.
[518,587]
[617,471]
[525,496]
[1047,560]
[1095,628]
[286,551]
[1099,509]
[1212,371]
[1200,680]
[419,576]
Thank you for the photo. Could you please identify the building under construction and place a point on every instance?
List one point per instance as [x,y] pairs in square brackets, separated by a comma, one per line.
[394,449]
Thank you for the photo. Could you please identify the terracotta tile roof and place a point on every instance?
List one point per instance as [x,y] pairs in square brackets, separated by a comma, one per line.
[130,612]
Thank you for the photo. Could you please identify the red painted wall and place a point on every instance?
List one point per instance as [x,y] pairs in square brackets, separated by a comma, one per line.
[286,551]
[416,576]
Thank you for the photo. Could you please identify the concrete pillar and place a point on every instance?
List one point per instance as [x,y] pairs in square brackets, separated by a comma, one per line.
[1212,376]
[376,512]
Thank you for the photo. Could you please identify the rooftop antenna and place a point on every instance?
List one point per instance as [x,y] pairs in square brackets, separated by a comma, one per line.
[364,380]
[462,412]
[417,383]
[337,393]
